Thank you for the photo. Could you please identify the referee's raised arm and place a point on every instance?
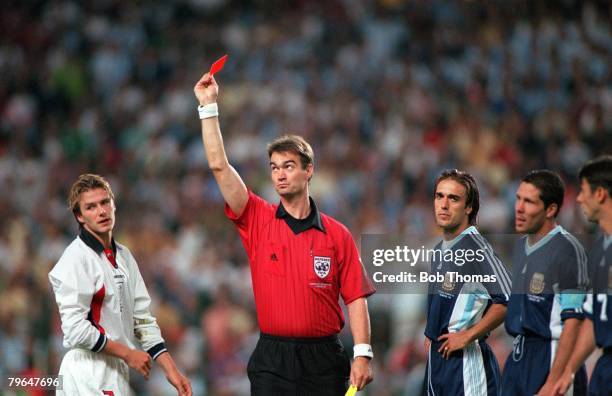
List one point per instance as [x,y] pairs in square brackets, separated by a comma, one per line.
[232,187]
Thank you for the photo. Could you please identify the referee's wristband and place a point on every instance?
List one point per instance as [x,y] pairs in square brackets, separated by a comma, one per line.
[208,111]
[363,350]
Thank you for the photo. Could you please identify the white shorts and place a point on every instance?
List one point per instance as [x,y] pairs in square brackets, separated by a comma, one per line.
[89,373]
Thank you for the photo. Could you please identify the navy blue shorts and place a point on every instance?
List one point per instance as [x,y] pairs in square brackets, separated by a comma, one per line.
[601,380]
[472,371]
[528,366]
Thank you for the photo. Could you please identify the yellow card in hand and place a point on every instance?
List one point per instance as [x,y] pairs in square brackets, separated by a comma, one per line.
[351,391]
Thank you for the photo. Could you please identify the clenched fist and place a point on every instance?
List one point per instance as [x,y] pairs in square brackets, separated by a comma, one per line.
[139,361]
[206,90]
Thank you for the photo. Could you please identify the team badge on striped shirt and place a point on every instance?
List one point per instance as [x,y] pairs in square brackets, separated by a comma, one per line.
[536,286]
[448,284]
[322,265]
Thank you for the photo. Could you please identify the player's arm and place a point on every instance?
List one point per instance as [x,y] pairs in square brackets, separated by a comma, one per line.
[572,283]
[567,340]
[231,185]
[585,345]
[359,318]
[173,374]
[148,334]
[456,341]
[74,286]
[138,360]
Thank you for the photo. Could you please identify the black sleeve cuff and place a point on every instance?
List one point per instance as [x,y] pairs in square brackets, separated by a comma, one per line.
[571,314]
[157,350]
[499,298]
[100,344]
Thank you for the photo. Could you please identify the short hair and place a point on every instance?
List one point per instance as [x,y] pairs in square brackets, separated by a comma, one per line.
[294,144]
[471,190]
[86,182]
[550,184]
[598,173]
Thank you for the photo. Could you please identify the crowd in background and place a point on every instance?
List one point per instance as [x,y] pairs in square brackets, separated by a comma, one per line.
[388,92]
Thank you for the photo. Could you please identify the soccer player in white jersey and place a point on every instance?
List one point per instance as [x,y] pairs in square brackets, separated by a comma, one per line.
[104,304]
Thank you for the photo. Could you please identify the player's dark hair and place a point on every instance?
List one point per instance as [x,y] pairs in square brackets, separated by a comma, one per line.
[598,173]
[86,182]
[472,199]
[550,185]
[294,144]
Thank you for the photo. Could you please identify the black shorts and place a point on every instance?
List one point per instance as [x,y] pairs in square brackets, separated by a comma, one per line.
[299,366]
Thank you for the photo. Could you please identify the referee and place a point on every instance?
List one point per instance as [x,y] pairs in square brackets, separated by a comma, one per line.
[301,262]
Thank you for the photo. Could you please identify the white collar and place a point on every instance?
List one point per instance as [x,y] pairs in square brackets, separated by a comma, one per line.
[607,241]
[530,249]
[449,244]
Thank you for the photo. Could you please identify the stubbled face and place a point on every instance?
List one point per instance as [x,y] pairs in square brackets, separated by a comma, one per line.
[529,211]
[288,176]
[450,209]
[97,211]
[588,201]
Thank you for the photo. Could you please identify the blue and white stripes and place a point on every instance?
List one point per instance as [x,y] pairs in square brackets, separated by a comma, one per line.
[496,265]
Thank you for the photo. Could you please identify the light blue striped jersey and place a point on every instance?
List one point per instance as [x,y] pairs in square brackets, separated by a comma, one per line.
[467,286]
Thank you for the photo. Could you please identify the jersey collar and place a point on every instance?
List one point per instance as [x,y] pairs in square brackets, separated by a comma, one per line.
[607,241]
[449,244]
[532,248]
[93,243]
[300,225]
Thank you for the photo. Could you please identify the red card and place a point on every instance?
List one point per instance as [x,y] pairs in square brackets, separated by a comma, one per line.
[218,65]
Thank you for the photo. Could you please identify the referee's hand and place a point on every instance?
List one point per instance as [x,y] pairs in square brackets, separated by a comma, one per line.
[361,372]
[206,90]
[139,361]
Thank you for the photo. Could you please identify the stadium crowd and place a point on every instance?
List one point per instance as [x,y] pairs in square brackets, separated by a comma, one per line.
[388,92]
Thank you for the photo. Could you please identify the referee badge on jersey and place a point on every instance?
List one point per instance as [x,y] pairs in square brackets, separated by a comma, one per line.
[536,286]
[322,265]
